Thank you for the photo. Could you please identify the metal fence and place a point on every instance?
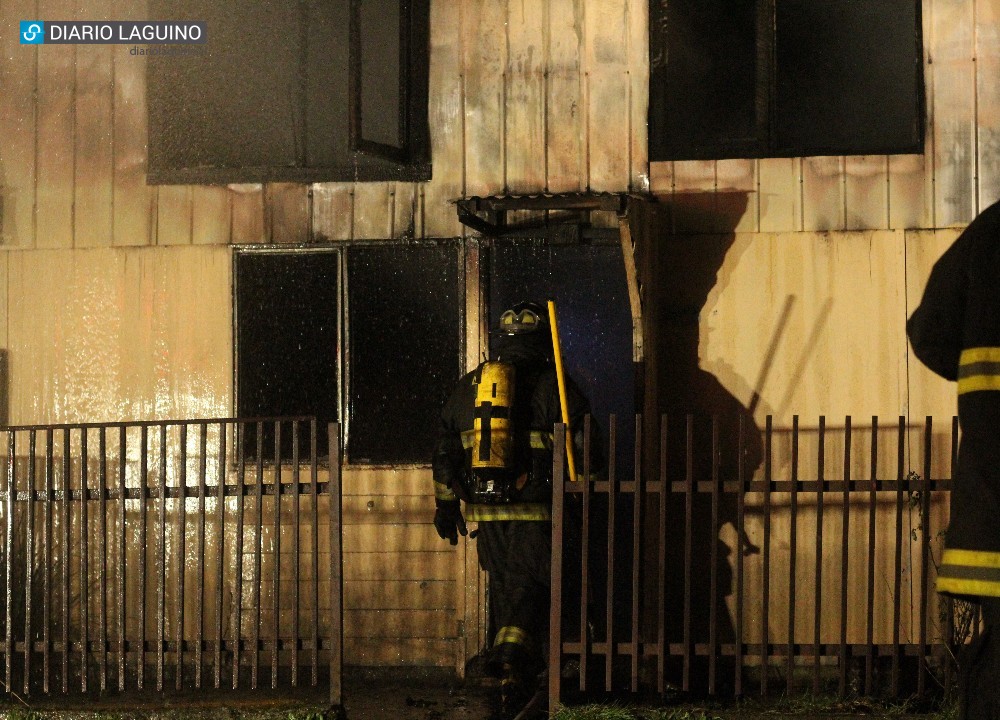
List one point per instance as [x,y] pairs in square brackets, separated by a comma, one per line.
[822,582]
[170,554]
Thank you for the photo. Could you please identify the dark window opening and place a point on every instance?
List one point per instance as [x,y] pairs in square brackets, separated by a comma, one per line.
[785,78]
[287,349]
[401,345]
[405,348]
[300,92]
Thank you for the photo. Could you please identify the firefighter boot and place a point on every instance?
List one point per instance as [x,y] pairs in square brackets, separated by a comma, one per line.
[515,692]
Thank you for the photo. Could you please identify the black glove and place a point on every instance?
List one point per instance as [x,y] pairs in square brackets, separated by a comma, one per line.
[448,520]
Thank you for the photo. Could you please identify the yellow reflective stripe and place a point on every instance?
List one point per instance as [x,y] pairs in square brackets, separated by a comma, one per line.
[443,492]
[969,572]
[965,586]
[541,440]
[979,354]
[512,634]
[971,558]
[511,511]
[979,370]
[977,383]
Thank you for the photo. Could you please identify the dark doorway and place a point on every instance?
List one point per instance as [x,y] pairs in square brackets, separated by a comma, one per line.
[587,282]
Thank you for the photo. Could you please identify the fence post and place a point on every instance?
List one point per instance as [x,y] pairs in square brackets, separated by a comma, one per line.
[555,587]
[925,548]
[8,567]
[336,567]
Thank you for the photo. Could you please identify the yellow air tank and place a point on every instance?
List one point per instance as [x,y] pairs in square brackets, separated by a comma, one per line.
[493,444]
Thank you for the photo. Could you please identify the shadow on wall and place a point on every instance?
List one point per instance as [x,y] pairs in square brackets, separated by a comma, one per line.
[679,271]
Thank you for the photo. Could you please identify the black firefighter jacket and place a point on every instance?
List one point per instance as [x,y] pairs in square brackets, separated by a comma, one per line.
[536,410]
[956,332]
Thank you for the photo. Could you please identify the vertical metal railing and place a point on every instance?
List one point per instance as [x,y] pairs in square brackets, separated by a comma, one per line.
[135,553]
[832,554]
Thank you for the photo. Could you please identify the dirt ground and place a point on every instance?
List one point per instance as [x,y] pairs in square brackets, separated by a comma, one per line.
[413,695]
[368,694]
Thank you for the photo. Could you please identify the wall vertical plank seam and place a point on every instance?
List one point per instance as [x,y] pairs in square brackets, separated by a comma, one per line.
[757,194]
[114,187]
[34,184]
[628,95]
[504,80]
[462,104]
[72,205]
[353,201]
[799,222]
[546,55]
[930,171]
[268,213]
[392,213]
[842,162]
[585,95]
[420,211]
[975,108]
[888,194]
[232,215]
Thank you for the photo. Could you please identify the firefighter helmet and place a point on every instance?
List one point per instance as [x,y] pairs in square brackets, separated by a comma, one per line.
[524,318]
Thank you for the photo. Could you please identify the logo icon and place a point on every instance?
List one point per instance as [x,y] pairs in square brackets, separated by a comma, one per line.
[32,32]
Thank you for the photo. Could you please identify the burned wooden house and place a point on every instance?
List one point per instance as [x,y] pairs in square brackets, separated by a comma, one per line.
[320,210]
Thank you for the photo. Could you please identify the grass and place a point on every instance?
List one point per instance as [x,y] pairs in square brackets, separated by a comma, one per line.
[805,706]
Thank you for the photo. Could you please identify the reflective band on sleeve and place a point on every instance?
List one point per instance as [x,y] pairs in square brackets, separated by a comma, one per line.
[969,572]
[979,354]
[979,370]
[541,440]
[443,492]
[511,511]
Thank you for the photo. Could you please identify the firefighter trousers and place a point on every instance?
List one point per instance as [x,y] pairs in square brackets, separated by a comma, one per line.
[979,668]
[517,555]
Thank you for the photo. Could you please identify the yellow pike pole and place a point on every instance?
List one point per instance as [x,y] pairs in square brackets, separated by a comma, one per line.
[561,378]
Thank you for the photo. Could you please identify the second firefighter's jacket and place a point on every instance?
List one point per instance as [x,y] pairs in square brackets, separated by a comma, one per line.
[515,431]
[955,331]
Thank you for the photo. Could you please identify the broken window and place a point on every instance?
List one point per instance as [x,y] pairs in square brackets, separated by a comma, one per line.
[763,78]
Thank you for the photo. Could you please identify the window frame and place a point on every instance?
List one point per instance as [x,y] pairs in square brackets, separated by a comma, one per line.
[344,398]
[365,162]
[766,144]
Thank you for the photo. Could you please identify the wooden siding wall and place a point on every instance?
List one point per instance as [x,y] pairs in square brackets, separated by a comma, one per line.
[115,295]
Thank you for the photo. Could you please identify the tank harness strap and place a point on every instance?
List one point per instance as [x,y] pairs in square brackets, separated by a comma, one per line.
[540,440]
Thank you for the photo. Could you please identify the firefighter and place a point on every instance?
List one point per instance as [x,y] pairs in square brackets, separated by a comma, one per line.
[955,331]
[494,452]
